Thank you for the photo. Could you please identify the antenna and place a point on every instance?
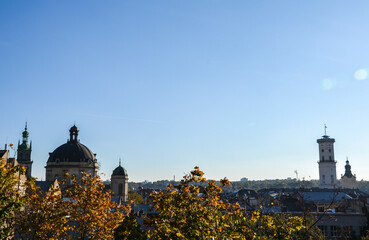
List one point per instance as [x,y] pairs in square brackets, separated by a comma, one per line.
[325,130]
[297,175]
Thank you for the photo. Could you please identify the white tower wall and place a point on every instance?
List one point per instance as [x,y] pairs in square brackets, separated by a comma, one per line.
[327,163]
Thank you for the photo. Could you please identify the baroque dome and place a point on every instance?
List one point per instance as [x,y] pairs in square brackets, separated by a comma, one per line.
[72,151]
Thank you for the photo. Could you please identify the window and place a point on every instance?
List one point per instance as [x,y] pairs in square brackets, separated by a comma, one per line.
[323,178]
[332,180]
[120,189]
[334,231]
[330,158]
[322,150]
[329,150]
[323,158]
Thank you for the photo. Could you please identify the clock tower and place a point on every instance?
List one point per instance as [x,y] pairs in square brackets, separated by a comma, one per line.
[327,163]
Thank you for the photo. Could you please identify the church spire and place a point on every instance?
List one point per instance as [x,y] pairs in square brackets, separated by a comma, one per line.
[348,172]
[24,152]
[24,145]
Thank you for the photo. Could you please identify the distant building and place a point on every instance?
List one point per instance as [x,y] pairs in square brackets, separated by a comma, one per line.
[244,179]
[21,177]
[348,180]
[74,158]
[327,163]
[119,183]
[24,153]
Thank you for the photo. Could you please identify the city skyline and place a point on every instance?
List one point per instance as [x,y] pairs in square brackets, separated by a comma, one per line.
[240,89]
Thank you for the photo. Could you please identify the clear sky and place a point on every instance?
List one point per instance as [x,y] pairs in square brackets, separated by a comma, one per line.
[239,88]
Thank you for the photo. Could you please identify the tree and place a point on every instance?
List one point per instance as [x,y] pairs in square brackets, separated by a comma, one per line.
[135,197]
[130,229]
[92,213]
[193,210]
[44,215]
[183,212]
[82,211]
[10,197]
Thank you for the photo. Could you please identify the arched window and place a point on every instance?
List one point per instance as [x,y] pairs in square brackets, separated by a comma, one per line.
[330,158]
[323,179]
[120,189]
[332,179]
[323,158]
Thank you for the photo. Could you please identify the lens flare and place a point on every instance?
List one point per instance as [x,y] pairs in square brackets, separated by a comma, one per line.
[361,74]
[328,83]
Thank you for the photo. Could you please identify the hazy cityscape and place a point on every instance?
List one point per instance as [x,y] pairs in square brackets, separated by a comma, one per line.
[184,120]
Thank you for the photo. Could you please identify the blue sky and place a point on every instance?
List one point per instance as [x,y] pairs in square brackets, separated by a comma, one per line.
[239,88]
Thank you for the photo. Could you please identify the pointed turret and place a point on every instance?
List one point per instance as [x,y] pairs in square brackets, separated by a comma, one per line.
[24,145]
[24,152]
[348,169]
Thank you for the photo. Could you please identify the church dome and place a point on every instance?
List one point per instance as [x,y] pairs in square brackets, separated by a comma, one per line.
[120,171]
[72,151]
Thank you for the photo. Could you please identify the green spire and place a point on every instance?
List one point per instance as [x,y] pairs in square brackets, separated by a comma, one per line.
[25,145]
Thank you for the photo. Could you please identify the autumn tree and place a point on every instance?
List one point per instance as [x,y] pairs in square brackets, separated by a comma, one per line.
[188,211]
[44,215]
[135,197]
[130,229]
[83,210]
[183,212]
[92,213]
[10,197]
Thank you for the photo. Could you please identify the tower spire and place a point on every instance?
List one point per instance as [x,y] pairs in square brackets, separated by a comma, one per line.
[24,152]
[25,135]
[325,130]
[120,161]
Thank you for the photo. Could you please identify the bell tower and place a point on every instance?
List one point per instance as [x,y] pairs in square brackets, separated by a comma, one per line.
[119,183]
[327,163]
[24,152]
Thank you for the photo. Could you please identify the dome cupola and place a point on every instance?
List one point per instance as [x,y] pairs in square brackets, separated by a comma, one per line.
[73,150]
[72,157]
[120,171]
